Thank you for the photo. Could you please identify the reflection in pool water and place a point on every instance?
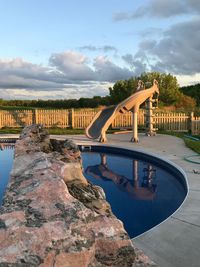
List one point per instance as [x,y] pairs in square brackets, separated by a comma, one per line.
[145,191]
[141,194]
[6,160]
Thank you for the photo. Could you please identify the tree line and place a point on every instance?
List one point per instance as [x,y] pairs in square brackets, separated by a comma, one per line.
[170,94]
[192,91]
[93,102]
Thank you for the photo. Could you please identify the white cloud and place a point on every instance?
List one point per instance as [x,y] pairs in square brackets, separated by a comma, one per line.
[71,91]
[69,74]
[184,80]
[73,65]
[66,70]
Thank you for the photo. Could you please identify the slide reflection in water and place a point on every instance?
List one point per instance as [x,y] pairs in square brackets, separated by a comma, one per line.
[141,194]
[145,191]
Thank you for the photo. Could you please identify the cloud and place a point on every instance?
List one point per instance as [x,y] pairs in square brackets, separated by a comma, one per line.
[177,51]
[104,49]
[151,31]
[73,65]
[21,68]
[139,12]
[138,66]
[71,91]
[68,71]
[17,73]
[106,70]
[161,9]
[185,80]
[167,8]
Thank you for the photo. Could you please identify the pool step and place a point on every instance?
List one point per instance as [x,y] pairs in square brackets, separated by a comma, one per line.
[84,148]
[8,140]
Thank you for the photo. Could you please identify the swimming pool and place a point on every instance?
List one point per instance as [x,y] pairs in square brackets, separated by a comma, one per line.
[141,192]
[6,160]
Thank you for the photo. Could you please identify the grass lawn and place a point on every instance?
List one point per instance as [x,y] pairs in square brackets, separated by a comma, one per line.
[50,130]
[15,108]
[10,130]
[56,131]
[194,145]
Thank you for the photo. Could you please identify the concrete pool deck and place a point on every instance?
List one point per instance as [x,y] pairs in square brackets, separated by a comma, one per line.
[176,241]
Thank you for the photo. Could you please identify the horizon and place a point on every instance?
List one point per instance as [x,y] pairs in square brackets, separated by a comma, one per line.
[74,49]
[60,99]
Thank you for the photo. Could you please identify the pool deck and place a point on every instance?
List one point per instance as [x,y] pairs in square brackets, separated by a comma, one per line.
[176,241]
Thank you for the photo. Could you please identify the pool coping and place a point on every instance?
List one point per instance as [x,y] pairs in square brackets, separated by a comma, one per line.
[174,242]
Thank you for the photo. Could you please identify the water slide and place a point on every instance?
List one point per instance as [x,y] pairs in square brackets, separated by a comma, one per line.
[103,119]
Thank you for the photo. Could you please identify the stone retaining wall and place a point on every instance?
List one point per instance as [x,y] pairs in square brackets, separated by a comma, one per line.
[52,216]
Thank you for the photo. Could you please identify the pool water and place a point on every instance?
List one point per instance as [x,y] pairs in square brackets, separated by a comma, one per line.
[6,160]
[140,193]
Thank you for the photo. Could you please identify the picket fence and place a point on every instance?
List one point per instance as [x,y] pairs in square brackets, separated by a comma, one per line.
[195,125]
[80,119]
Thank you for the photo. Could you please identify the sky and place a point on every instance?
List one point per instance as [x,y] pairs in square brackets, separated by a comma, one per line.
[70,49]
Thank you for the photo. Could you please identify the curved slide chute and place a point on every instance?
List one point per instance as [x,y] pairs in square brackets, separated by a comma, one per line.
[103,119]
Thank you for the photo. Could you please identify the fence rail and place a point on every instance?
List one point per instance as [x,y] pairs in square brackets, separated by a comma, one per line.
[52,118]
[125,120]
[80,118]
[172,121]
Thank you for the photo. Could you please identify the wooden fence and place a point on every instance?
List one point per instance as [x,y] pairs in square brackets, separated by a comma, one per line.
[125,120]
[177,122]
[80,118]
[53,118]
[195,125]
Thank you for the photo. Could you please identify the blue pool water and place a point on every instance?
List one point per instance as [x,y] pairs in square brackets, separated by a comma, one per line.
[140,193]
[6,160]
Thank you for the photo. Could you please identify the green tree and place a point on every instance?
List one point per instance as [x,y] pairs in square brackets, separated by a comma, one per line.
[168,86]
[193,91]
[186,102]
[122,89]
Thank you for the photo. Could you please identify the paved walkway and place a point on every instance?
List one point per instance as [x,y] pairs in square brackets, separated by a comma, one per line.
[175,242]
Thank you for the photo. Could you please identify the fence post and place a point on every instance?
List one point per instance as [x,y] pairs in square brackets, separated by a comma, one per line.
[71,118]
[35,117]
[191,119]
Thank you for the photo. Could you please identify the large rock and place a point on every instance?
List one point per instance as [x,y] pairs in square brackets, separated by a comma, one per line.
[52,216]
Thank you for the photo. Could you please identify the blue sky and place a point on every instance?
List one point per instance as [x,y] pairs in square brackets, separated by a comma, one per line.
[72,49]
